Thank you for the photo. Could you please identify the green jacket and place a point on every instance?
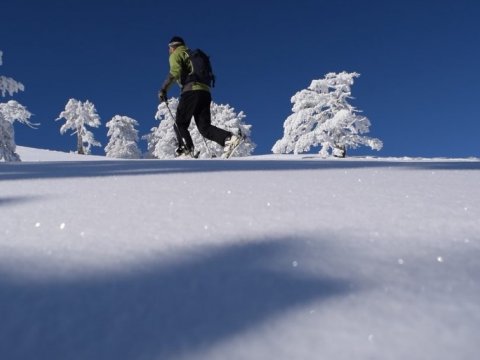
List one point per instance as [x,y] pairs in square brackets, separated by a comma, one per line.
[179,63]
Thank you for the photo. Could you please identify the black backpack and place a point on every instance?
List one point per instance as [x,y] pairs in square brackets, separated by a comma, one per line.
[202,69]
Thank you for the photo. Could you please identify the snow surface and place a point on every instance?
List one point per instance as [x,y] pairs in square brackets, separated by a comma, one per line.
[269,257]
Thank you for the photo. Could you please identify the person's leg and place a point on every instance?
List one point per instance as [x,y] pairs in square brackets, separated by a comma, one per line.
[185,110]
[203,120]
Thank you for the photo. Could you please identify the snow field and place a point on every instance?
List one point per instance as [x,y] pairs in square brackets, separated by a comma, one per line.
[242,259]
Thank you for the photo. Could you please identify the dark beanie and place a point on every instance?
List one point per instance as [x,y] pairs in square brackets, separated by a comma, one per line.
[176,41]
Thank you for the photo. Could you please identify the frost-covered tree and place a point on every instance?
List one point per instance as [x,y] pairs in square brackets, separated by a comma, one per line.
[10,112]
[123,138]
[323,117]
[7,141]
[8,85]
[162,140]
[78,116]
[226,117]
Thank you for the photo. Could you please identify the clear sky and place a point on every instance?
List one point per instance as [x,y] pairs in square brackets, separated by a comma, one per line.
[418,60]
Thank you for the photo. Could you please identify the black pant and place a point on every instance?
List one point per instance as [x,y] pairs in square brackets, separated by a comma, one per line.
[196,103]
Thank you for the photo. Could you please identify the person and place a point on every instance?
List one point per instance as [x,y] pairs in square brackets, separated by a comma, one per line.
[194,101]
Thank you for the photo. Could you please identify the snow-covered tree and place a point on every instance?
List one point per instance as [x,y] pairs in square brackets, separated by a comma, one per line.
[8,85]
[10,112]
[225,117]
[162,140]
[123,138]
[323,117]
[78,116]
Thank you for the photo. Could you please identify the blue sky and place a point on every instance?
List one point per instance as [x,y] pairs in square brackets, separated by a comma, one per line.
[418,62]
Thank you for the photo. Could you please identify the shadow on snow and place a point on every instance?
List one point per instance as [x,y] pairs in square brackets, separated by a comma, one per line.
[44,170]
[12,200]
[161,312]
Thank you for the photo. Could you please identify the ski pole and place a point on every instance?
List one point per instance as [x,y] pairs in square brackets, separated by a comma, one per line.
[175,124]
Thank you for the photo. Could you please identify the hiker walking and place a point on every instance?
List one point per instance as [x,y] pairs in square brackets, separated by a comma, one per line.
[192,71]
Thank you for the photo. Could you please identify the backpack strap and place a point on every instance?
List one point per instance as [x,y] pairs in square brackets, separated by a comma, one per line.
[185,71]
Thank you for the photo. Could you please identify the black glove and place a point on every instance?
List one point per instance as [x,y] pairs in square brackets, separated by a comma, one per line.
[162,95]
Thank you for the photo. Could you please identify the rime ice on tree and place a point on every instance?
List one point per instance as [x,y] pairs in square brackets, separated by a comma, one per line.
[123,138]
[10,112]
[78,115]
[8,85]
[162,140]
[226,117]
[323,117]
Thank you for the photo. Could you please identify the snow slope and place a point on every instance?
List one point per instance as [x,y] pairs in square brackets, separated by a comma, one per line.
[270,257]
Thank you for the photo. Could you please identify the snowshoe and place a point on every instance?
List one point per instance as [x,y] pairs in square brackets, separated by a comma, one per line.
[232,144]
[339,152]
[185,153]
